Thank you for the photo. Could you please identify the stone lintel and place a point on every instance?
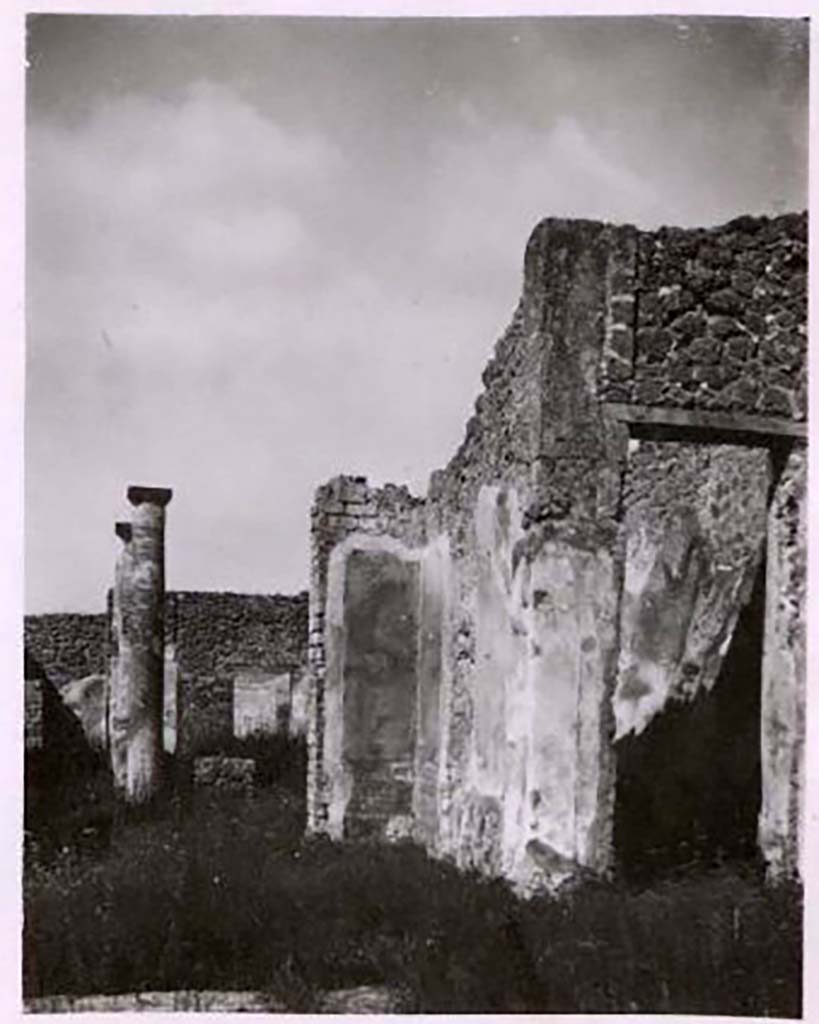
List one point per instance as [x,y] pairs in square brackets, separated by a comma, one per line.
[124,531]
[139,495]
[737,422]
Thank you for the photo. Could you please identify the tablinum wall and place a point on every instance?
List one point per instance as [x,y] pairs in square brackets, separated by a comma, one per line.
[577,571]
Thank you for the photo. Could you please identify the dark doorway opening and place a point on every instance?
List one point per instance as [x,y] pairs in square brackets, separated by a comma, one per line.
[689,786]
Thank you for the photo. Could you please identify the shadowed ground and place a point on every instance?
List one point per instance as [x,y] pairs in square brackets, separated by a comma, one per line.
[219,891]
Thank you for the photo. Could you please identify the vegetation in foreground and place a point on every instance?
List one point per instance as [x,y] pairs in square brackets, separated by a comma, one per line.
[220,891]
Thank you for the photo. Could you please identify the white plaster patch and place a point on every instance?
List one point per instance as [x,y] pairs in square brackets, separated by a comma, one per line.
[261,700]
[398,827]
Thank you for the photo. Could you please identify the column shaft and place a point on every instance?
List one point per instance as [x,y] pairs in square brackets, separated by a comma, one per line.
[137,671]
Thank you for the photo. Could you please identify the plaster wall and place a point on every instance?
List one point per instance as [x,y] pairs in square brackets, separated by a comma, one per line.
[346,512]
[433,674]
[370,686]
[695,518]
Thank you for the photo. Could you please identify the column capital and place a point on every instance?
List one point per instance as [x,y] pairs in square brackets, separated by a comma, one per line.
[139,495]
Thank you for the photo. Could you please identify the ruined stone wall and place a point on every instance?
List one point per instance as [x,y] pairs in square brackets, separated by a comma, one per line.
[528,506]
[210,629]
[215,643]
[582,560]
[213,640]
[347,516]
[503,430]
[500,452]
[68,646]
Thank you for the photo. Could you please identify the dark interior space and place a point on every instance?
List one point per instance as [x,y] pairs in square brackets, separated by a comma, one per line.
[689,786]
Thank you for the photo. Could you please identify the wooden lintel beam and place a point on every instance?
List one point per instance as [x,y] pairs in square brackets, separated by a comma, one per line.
[739,423]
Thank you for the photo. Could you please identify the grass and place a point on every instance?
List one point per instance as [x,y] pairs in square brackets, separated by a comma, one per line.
[219,891]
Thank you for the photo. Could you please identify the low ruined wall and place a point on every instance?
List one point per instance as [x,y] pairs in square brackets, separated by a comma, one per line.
[67,646]
[581,562]
[216,645]
[213,629]
[224,649]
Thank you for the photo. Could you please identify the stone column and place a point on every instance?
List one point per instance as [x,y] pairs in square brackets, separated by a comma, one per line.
[117,694]
[137,676]
[781,818]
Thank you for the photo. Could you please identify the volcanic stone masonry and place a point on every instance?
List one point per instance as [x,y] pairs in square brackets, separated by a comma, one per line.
[635,465]
[67,646]
[235,665]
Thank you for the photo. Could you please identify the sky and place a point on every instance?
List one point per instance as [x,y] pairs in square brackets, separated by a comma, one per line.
[264,251]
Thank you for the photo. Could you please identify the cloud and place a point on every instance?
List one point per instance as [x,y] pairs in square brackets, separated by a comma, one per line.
[297,264]
[171,231]
[196,185]
[195,320]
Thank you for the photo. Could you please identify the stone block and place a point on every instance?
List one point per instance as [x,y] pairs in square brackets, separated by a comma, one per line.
[689,325]
[229,774]
[775,402]
[654,344]
[724,301]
